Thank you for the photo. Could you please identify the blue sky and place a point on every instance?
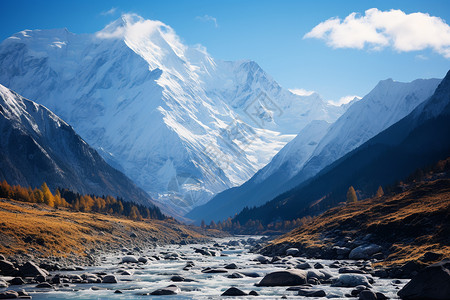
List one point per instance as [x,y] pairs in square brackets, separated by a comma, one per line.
[269,32]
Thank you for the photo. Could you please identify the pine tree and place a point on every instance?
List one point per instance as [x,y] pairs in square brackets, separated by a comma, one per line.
[351,195]
[380,192]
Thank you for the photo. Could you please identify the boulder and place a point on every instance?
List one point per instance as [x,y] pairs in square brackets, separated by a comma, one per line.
[318,266]
[235,275]
[431,256]
[320,275]
[216,270]
[231,266]
[251,274]
[9,295]
[303,266]
[311,293]
[292,251]
[341,251]
[433,282]
[109,279]
[262,259]
[30,269]
[6,267]
[367,295]
[143,260]
[170,290]
[177,278]
[364,251]
[16,281]
[3,284]
[347,270]
[129,259]
[253,293]
[44,285]
[232,291]
[284,278]
[351,280]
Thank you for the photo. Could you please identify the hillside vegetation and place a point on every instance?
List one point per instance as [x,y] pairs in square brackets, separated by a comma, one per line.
[406,223]
[41,230]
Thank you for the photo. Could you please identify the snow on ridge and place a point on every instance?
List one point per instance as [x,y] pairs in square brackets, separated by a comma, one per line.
[181,124]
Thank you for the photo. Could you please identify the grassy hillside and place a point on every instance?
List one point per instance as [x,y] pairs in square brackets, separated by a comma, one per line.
[406,224]
[43,231]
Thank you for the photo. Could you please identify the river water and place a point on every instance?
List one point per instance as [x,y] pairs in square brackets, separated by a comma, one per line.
[146,278]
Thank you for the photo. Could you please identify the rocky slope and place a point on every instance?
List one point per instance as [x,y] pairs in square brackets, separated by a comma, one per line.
[410,224]
[37,146]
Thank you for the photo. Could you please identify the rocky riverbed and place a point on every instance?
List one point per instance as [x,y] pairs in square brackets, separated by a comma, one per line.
[223,267]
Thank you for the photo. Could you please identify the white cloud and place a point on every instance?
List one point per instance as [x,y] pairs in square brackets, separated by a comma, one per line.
[110,11]
[344,100]
[379,29]
[208,18]
[301,92]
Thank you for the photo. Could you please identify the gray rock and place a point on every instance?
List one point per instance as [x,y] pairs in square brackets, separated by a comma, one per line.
[9,295]
[236,275]
[347,270]
[109,279]
[341,251]
[351,280]
[364,251]
[232,291]
[16,281]
[311,293]
[129,259]
[284,278]
[251,274]
[318,266]
[40,278]
[216,270]
[6,267]
[177,278]
[143,260]
[303,266]
[292,251]
[367,295]
[320,275]
[262,259]
[45,285]
[433,282]
[30,269]
[253,293]
[231,266]
[170,290]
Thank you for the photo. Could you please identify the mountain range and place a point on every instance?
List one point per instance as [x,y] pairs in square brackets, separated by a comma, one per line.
[182,125]
[319,144]
[416,141]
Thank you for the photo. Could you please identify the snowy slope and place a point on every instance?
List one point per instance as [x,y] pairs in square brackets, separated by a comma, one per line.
[319,145]
[37,146]
[182,125]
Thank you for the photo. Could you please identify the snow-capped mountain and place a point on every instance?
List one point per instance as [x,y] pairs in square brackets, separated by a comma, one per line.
[182,125]
[319,145]
[37,146]
[417,141]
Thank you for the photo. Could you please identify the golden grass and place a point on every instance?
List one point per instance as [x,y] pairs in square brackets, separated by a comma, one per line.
[61,232]
[412,222]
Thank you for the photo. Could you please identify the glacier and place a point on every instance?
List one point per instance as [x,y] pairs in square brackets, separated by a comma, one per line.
[182,125]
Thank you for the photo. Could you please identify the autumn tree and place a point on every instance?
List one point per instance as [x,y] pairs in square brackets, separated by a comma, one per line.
[48,196]
[351,195]
[380,192]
